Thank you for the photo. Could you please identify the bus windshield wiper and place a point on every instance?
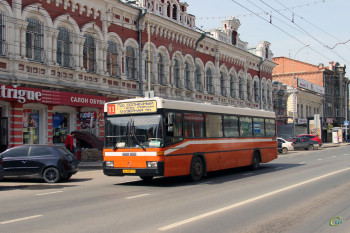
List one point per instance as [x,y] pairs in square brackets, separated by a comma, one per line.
[132,132]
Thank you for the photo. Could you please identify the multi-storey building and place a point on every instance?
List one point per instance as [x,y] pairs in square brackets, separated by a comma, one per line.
[62,60]
[314,90]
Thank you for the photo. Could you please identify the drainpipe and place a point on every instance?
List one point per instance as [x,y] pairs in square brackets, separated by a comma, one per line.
[140,16]
[260,81]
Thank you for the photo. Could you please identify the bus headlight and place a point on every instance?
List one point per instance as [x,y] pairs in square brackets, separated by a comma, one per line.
[109,164]
[152,164]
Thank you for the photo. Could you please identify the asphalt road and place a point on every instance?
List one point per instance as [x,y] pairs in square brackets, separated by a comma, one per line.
[299,192]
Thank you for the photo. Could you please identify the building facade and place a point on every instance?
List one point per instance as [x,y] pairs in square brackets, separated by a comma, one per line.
[62,60]
[321,90]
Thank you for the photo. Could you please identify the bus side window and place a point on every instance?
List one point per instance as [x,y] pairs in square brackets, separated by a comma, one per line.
[173,123]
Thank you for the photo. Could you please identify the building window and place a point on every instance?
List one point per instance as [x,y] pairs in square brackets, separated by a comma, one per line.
[302,111]
[176,74]
[30,126]
[232,86]
[89,54]
[34,40]
[2,35]
[60,125]
[174,12]
[249,90]
[187,76]
[63,47]
[112,62]
[198,81]
[161,75]
[256,92]
[130,63]
[306,111]
[222,84]
[241,92]
[210,82]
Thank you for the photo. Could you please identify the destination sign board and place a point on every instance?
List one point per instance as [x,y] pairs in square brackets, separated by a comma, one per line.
[133,107]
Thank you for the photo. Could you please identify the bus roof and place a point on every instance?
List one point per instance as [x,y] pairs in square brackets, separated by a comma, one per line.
[198,107]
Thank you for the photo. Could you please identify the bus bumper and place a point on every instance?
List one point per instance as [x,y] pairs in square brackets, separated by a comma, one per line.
[113,171]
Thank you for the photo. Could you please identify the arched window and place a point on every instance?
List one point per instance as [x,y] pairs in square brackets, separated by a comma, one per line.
[63,48]
[130,63]
[256,91]
[177,74]
[198,82]
[2,34]
[249,90]
[89,54]
[222,84]
[210,82]
[241,92]
[34,40]
[168,9]
[174,12]
[187,76]
[232,86]
[112,55]
[161,75]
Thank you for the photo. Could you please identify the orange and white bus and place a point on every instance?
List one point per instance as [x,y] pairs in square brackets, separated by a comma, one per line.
[150,137]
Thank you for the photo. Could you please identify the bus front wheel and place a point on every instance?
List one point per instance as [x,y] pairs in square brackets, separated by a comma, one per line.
[197,169]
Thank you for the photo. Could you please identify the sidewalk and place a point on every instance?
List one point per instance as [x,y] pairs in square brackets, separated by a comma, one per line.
[329,144]
[97,165]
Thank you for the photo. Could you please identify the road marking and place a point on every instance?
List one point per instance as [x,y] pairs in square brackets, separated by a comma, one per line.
[319,159]
[217,211]
[21,219]
[334,156]
[302,163]
[142,195]
[41,194]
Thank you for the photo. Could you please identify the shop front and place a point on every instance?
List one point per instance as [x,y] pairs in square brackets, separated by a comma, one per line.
[40,116]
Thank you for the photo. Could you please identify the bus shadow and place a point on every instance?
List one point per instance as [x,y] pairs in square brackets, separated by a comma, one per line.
[216,177]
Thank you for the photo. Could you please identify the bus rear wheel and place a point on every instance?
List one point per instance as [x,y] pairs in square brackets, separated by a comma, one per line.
[197,169]
[255,161]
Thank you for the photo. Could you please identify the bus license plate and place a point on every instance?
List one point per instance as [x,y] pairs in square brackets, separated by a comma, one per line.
[129,171]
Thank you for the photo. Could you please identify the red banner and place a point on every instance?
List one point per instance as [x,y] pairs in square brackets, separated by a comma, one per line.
[33,95]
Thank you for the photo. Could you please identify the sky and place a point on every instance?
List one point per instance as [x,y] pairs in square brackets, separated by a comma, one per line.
[320,32]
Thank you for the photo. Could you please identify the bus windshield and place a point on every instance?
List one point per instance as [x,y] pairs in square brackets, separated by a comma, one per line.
[134,131]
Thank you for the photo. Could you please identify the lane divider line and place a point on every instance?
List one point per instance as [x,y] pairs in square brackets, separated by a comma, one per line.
[141,195]
[217,211]
[21,219]
[41,194]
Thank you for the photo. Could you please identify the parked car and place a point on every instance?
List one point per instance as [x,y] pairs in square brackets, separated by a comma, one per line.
[52,163]
[279,146]
[286,145]
[312,137]
[305,143]
[2,171]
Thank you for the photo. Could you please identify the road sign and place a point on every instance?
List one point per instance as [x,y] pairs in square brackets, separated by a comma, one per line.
[346,123]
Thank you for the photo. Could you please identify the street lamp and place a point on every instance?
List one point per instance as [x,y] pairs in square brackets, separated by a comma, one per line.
[294,91]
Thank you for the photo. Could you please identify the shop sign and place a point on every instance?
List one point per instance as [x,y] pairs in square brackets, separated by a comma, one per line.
[34,95]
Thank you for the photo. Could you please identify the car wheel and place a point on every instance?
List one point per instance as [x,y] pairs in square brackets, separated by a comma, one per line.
[284,150]
[51,175]
[311,147]
[197,169]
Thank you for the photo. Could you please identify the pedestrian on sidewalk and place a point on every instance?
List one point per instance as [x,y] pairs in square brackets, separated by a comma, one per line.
[69,143]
